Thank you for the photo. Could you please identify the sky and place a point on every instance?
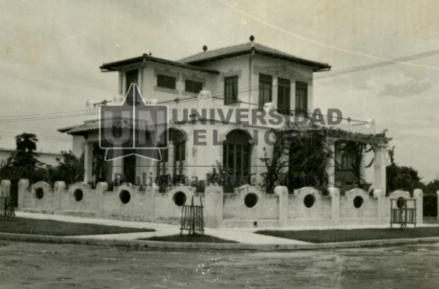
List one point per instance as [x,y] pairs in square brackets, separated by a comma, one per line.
[50,53]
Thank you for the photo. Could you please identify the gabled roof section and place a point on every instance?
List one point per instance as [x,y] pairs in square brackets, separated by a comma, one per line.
[247,48]
[114,66]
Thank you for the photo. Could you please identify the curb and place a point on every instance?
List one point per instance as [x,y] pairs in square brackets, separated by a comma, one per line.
[215,246]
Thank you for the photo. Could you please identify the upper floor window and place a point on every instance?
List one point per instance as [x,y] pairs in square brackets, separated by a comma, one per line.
[230,89]
[301,96]
[166,81]
[283,95]
[132,76]
[193,86]
[265,88]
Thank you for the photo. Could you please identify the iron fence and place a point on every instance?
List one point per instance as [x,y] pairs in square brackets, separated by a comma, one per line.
[192,218]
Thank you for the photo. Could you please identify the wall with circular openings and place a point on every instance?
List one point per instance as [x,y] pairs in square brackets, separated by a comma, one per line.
[125,196]
[358,202]
[309,201]
[39,193]
[78,194]
[251,200]
[179,198]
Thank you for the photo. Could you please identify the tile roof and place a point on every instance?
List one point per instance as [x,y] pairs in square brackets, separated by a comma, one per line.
[113,66]
[246,48]
[94,125]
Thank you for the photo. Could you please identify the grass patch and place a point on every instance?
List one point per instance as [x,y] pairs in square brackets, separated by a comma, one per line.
[57,228]
[188,238]
[328,236]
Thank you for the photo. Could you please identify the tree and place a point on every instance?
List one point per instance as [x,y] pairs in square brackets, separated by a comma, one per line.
[23,162]
[299,159]
[400,177]
[70,169]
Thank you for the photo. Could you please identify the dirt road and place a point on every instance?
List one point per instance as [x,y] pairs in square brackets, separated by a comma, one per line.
[33,265]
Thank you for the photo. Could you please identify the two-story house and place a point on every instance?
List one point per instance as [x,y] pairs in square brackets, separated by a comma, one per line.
[208,95]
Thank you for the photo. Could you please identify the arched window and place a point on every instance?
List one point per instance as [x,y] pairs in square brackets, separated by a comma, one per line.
[173,157]
[236,158]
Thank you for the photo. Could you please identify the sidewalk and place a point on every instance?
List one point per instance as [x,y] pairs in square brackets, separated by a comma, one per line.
[246,238]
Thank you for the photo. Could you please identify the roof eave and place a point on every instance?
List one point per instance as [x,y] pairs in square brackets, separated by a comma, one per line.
[115,66]
[317,66]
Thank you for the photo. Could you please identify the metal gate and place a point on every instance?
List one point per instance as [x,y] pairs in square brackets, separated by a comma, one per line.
[6,208]
[402,212]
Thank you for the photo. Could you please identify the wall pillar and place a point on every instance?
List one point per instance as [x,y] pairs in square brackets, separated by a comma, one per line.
[101,187]
[88,162]
[6,188]
[59,190]
[23,193]
[213,206]
[419,196]
[379,180]
[380,195]
[282,192]
[335,205]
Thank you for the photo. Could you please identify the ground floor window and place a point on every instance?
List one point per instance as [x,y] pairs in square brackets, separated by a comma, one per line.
[129,169]
[171,168]
[236,159]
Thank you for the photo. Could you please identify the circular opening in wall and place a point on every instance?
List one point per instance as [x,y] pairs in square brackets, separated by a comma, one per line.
[251,200]
[125,196]
[309,201]
[78,194]
[39,193]
[358,202]
[179,198]
[400,202]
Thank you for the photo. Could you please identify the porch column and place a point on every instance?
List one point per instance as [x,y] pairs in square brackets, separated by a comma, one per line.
[363,165]
[88,162]
[117,169]
[379,180]
[437,193]
[330,168]
[275,89]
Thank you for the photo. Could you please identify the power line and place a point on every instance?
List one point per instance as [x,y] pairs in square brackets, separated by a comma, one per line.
[56,115]
[313,41]
[377,64]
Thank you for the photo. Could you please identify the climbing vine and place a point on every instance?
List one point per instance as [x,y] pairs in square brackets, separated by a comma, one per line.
[297,161]
[357,150]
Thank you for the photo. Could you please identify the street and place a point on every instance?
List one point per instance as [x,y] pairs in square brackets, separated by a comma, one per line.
[35,265]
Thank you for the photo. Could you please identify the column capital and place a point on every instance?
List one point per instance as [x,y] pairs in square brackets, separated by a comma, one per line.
[381,145]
